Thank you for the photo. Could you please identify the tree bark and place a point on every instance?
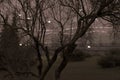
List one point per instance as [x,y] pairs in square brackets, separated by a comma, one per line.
[39,59]
[69,50]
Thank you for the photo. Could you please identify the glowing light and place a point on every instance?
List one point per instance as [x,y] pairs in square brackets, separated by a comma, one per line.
[96,19]
[89,46]
[28,18]
[20,44]
[49,21]
[80,10]
[19,15]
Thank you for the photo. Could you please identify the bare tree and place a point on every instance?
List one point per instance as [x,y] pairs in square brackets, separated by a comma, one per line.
[87,14]
[33,16]
[115,23]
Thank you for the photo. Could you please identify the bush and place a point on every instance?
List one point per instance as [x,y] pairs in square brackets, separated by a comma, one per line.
[110,60]
[78,55]
[106,62]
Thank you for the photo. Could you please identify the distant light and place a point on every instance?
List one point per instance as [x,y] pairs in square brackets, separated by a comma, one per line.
[25,28]
[96,19]
[20,44]
[26,45]
[49,21]
[89,46]
[28,18]
[80,10]
[19,15]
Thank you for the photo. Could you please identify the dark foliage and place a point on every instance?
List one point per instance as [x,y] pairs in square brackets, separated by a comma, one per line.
[110,60]
[78,55]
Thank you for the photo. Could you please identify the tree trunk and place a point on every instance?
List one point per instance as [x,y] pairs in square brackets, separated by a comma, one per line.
[68,50]
[60,68]
[39,59]
[52,61]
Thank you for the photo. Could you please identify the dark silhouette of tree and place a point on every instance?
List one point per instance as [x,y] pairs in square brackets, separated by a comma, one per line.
[14,58]
[87,14]
[32,20]
[9,46]
[115,23]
